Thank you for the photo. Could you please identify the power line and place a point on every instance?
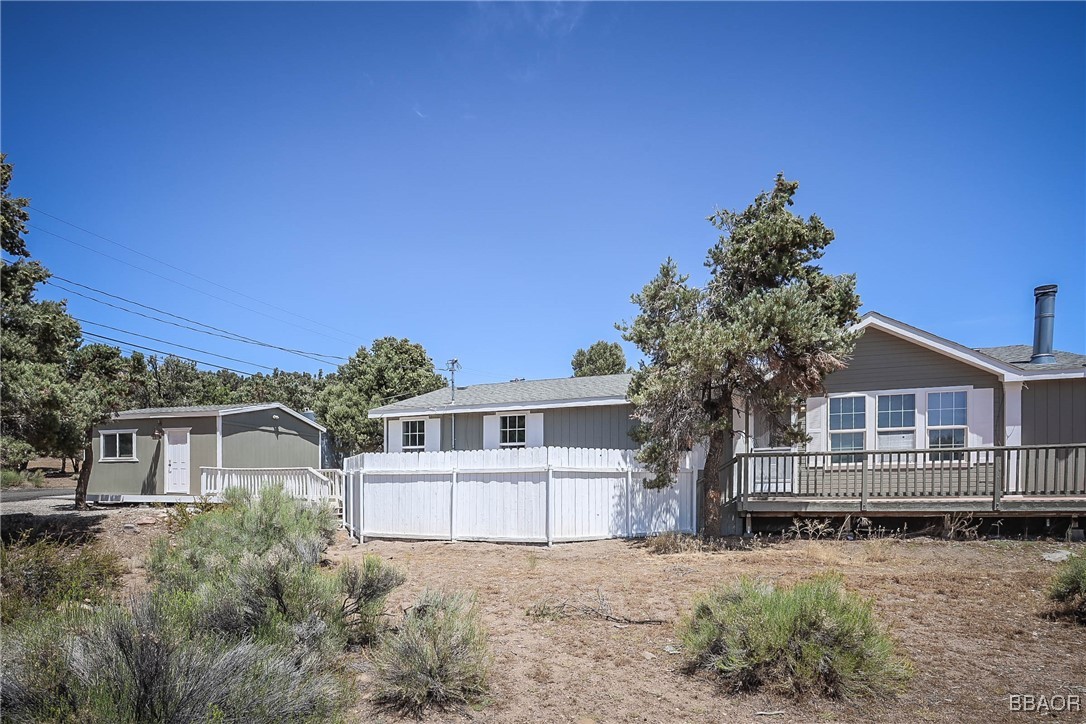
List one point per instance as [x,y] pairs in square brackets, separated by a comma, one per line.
[177,268]
[217,331]
[174,281]
[132,345]
[175,344]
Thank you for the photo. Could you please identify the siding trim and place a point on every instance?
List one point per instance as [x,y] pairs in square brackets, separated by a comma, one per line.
[502,407]
[218,440]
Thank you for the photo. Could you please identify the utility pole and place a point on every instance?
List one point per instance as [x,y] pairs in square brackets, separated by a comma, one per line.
[451,367]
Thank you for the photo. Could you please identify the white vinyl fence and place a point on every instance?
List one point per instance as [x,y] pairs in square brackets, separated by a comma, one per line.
[305,483]
[541,494]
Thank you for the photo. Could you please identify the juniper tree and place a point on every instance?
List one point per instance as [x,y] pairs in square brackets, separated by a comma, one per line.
[764,331]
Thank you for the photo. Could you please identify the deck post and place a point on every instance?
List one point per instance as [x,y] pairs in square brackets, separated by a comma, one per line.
[629,490]
[997,484]
[863,483]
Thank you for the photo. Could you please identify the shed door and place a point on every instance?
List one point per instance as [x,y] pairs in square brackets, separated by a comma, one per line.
[177,461]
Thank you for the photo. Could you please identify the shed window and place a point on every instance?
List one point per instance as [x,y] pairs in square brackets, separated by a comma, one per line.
[514,430]
[118,445]
[414,435]
[848,425]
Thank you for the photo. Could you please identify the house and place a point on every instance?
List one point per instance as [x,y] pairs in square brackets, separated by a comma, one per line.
[913,424]
[590,412]
[157,454]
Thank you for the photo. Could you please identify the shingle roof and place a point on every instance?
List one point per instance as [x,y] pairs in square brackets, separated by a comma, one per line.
[1019,354]
[522,392]
[209,410]
[197,409]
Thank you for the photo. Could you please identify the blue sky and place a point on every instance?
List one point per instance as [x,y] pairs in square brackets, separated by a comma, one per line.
[495,180]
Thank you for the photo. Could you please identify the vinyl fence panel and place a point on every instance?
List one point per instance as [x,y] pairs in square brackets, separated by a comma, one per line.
[541,494]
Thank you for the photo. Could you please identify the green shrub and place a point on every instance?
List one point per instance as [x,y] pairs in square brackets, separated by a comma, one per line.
[15,479]
[1068,588]
[438,657]
[364,590]
[813,638]
[15,454]
[150,665]
[210,545]
[45,574]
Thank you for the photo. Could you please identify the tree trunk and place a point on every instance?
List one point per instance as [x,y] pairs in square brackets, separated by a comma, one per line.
[75,463]
[84,474]
[63,464]
[712,485]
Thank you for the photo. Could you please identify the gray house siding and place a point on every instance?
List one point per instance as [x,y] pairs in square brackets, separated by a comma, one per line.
[145,475]
[1054,412]
[882,361]
[257,440]
[469,431]
[605,426]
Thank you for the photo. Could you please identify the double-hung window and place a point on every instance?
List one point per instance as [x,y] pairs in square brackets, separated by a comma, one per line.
[895,423]
[848,426]
[118,445]
[948,419]
[513,430]
[414,435]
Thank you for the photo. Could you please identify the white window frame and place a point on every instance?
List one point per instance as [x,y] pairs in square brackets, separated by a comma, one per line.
[523,429]
[421,447]
[940,457]
[892,429]
[134,458]
[830,432]
[921,419]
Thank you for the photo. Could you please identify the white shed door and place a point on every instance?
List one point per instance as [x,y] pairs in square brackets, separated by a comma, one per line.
[177,461]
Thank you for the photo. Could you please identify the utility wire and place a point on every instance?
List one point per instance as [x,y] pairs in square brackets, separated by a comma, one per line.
[132,345]
[174,281]
[177,268]
[175,344]
[217,331]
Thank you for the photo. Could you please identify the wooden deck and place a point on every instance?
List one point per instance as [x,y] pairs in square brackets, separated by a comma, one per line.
[1004,481]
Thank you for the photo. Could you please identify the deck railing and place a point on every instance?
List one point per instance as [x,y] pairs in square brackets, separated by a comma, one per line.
[305,483]
[984,472]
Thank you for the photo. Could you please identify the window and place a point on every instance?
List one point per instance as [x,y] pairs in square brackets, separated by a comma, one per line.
[414,435]
[118,445]
[896,422]
[847,427]
[513,430]
[948,417]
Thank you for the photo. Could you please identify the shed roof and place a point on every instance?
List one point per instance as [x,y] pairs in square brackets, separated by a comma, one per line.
[558,392]
[210,411]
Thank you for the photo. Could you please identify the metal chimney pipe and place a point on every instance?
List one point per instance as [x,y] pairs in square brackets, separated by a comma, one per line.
[1043,321]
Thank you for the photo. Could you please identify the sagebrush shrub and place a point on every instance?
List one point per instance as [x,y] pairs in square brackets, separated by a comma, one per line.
[1068,588]
[364,589]
[437,657]
[812,638]
[149,664]
[45,574]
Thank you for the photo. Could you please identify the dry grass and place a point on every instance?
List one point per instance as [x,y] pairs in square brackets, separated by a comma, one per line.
[967,614]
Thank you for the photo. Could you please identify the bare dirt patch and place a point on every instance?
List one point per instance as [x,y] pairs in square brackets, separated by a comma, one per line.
[968,616]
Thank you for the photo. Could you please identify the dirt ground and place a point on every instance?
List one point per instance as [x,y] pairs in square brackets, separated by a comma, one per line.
[966,614]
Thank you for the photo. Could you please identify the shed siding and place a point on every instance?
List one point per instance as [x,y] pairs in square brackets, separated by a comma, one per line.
[882,361]
[146,476]
[256,440]
[1054,412]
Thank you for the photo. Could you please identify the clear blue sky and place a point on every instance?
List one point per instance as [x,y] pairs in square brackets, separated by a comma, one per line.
[495,180]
